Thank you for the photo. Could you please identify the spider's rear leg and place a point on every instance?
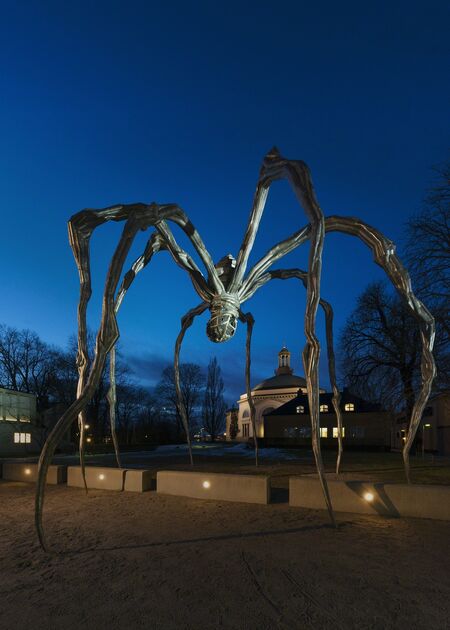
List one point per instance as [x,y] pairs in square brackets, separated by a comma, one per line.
[155,244]
[249,320]
[286,274]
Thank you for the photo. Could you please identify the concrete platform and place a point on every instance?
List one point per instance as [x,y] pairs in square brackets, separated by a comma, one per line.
[138,480]
[96,478]
[362,497]
[216,486]
[99,478]
[28,472]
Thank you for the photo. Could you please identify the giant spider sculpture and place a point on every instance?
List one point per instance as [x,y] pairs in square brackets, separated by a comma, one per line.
[223,291]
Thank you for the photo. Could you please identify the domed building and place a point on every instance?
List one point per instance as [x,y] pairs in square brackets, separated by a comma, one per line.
[267,396]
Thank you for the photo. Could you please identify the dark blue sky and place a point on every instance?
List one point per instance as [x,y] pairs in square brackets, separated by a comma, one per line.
[107,102]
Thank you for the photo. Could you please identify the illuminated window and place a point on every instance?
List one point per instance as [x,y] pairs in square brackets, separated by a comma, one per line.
[349,407]
[335,432]
[300,409]
[323,408]
[22,438]
[323,432]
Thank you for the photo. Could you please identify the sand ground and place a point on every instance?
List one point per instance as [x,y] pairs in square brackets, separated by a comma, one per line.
[126,560]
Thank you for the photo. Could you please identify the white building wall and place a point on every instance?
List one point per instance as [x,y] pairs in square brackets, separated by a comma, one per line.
[263,401]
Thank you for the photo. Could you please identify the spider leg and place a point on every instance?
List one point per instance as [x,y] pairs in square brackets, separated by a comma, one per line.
[384,255]
[285,274]
[175,214]
[186,322]
[154,245]
[80,230]
[138,216]
[297,173]
[80,227]
[248,319]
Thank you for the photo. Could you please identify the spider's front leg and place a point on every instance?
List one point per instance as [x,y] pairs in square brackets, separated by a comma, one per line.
[186,322]
[106,338]
[249,320]
[81,227]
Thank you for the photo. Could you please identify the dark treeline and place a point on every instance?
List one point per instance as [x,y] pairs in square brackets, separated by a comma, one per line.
[29,364]
[380,346]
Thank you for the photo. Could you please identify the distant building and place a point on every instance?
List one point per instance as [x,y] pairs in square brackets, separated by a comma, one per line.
[267,396]
[18,432]
[433,435]
[22,430]
[365,425]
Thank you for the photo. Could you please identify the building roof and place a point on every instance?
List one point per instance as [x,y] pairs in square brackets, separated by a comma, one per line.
[290,408]
[281,381]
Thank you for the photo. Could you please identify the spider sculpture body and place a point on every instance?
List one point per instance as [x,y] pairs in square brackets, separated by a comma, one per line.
[223,290]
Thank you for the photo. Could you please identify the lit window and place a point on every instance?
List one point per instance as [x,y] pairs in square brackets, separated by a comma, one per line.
[300,409]
[16,438]
[323,408]
[349,407]
[28,438]
[22,438]
[323,432]
[335,432]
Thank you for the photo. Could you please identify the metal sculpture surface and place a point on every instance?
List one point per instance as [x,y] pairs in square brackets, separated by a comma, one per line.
[223,290]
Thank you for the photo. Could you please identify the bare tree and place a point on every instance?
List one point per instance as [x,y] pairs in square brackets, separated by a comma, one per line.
[26,364]
[380,350]
[132,403]
[214,406]
[192,383]
[428,242]
[428,257]
[234,425]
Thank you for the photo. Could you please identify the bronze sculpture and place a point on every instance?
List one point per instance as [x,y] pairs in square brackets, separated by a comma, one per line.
[223,291]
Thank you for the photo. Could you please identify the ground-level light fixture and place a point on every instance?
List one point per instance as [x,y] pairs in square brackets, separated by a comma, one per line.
[88,439]
[206,484]
[368,496]
[27,471]
[101,476]
[86,426]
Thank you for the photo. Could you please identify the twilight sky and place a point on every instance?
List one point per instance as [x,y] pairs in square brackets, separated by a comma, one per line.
[108,102]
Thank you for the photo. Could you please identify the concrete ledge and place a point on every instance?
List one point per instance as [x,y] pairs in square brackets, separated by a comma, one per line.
[216,486]
[385,499]
[138,480]
[99,478]
[96,478]
[29,472]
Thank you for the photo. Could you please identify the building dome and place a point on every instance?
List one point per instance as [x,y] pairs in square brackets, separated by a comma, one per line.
[280,381]
[284,375]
